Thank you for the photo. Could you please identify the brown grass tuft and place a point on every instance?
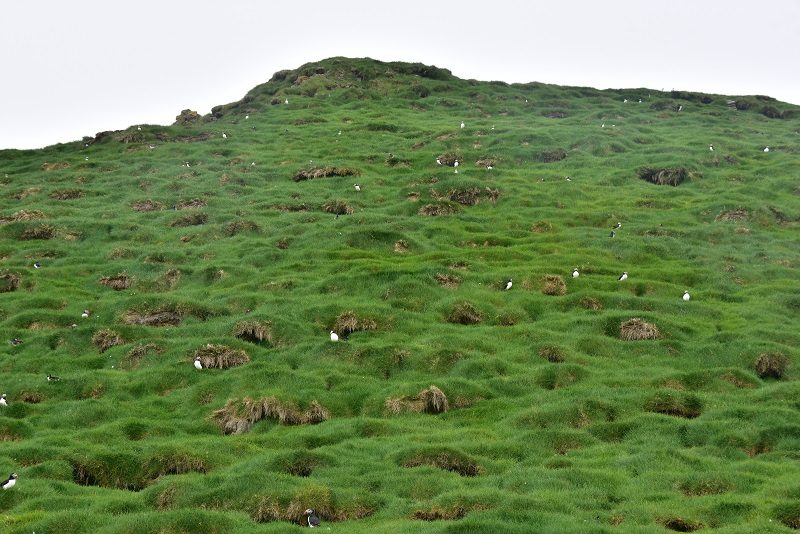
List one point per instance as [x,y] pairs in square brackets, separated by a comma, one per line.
[679,524]
[450,158]
[591,303]
[552,354]
[664,176]
[157,317]
[220,356]
[436,210]
[554,285]
[550,156]
[66,194]
[147,205]
[55,166]
[137,353]
[192,219]
[449,281]
[237,417]
[22,215]
[31,397]
[771,365]
[323,172]
[42,231]
[339,207]
[117,283]
[464,313]
[430,400]
[675,404]
[9,282]
[347,322]
[401,246]
[105,339]
[739,214]
[446,460]
[541,227]
[440,514]
[192,203]
[636,330]
[238,227]
[254,331]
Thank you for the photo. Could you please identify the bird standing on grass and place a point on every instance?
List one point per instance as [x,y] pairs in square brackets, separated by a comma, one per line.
[286,101]
[3,401]
[612,234]
[462,125]
[455,165]
[766,149]
[711,148]
[37,265]
[16,341]
[198,364]
[224,135]
[575,273]
[509,284]
[438,161]
[334,336]
[623,276]
[357,187]
[85,314]
[10,481]
[618,226]
[686,296]
[53,378]
[313,520]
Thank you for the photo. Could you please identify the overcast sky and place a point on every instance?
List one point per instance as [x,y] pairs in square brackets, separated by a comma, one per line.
[74,68]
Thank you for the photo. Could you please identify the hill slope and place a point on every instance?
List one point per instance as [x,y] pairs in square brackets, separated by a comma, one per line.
[449,404]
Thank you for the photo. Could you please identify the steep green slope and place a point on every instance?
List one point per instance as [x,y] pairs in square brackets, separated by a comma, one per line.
[554,422]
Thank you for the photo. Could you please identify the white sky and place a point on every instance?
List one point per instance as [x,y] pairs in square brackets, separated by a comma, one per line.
[77,67]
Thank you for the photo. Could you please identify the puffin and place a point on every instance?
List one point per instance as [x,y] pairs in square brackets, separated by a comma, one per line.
[53,378]
[686,296]
[575,273]
[198,364]
[357,187]
[12,479]
[623,276]
[509,284]
[3,400]
[334,336]
[313,520]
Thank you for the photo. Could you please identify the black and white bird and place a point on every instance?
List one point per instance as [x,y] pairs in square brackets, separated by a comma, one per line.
[313,520]
[438,161]
[766,149]
[575,273]
[37,265]
[612,234]
[198,364]
[246,117]
[286,101]
[16,341]
[3,401]
[357,187]
[617,226]
[224,135]
[334,336]
[711,148]
[85,314]
[53,378]
[455,165]
[462,125]
[10,481]
[686,296]
[623,276]
[509,284]
[625,101]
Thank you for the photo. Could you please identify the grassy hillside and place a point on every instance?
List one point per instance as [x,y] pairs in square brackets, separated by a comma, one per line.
[449,404]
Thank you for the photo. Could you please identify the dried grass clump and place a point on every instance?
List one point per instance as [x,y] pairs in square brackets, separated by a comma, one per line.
[137,353]
[31,397]
[486,162]
[192,219]
[450,158]
[449,281]
[679,524]
[117,283]
[238,227]
[664,176]
[22,215]
[323,172]
[192,203]
[66,194]
[169,280]
[541,227]
[554,285]
[237,417]
[401,246]
[675,404]
[464,313]
[552,354]
[740,214]
[550,156]
[468,196]
[636,330]
[187,117]
[440,514]
[771,365]
[220,356]
[697,487]
[253,331]
[446,460]
[339,207]
[157,317]
[43,231]
[430,400]
[147,205]
[9,282]
[348,322]
[436,210]
[55,166]
[591,303]
[105,339]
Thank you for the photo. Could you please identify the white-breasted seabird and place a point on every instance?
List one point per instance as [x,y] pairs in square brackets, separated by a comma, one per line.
[246,117]
[438,161]
[16,341]
[3,401]
[612,234]
[53,378]
[37,265]
[711,148]
[509,284]
[625,101]
[686,296]
[85,314]
[462,124]
[10,481]
[623,276]
[286,101]
[575,273]
[198,364]
[313,520]
[618,225]
[224,135]
[766,149]
[334,336]
[357,187]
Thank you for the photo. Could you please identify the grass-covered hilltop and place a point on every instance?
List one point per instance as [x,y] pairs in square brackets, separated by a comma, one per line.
[449,404]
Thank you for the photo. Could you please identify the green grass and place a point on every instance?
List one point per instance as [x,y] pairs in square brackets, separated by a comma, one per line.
[554,425]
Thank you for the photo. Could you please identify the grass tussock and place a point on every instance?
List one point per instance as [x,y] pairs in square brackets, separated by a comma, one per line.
[554,285]
[675,404]
[437,513]
[541,227]
[739,214]
[591,303]
[637,330]
[253,331]
[348,322]
[337,207]
[240,227]
[147,205]
[238,416]
[9,282]
[698,486]
[401,246]
[220,356]
[464,313]
[552,354]
[105,339]
[162,316]
[551,156]
[42,232]
[191,219]
[66,194]
[191,203]
[117,283]
[22,215]
[450,158]
[138,353]
[431,400]
[445,459]
[679,524]
[323,172]
[437,210]
[449,281]
[771,365]
[673,176]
